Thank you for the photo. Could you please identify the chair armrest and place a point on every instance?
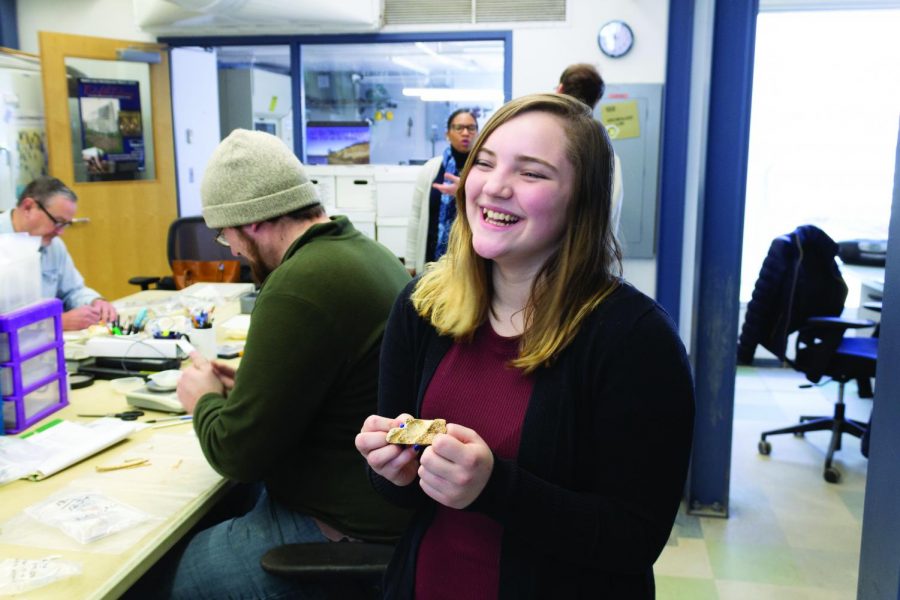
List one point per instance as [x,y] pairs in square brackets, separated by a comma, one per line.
[328,561]
[144,282]
[840,323]
[166,283]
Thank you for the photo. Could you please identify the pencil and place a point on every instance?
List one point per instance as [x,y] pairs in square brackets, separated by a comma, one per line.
[166,419]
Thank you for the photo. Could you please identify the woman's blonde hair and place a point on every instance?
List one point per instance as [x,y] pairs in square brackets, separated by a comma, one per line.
[454,294]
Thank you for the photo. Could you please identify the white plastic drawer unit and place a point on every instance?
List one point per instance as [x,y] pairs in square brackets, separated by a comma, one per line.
[392,233]
[355,192]
[394,190]
[324,185]
[363,221]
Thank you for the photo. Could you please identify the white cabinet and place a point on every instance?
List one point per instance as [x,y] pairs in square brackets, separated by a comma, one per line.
[376,198]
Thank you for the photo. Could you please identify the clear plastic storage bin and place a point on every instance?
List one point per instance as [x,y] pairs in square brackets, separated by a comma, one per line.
[20,271]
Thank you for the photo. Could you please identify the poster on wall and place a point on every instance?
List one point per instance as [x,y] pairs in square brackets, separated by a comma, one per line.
[30,147]
[337,142]
[112,133]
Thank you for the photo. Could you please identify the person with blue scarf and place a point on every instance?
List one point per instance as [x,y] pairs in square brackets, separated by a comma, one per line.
[433,207]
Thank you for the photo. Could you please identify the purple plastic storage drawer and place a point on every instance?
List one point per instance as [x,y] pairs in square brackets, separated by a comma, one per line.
[44,398]
[29,337]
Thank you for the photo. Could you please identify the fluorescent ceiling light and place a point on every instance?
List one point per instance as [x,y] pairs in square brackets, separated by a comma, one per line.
[455,94]
[421,46]
[399,60]
[453,62]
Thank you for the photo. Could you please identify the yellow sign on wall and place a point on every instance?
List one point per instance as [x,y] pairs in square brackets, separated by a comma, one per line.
[621,119]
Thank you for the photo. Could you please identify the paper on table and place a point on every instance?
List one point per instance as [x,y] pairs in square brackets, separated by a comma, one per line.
[216,292]
[236,327]
[61,444]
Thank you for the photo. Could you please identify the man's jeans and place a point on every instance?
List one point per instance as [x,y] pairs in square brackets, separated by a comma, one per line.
[223,560]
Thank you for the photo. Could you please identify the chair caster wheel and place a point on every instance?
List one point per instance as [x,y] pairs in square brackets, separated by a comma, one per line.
[764,447]
[832,475]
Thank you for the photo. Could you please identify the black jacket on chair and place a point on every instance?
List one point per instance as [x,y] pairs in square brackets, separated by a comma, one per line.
[799,279]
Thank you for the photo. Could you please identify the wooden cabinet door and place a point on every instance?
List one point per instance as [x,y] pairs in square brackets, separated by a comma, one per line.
[128,219]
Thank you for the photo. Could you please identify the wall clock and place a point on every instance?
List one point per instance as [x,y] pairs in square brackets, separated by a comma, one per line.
[615,39]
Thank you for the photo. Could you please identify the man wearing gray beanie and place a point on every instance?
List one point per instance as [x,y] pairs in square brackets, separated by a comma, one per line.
[308,377]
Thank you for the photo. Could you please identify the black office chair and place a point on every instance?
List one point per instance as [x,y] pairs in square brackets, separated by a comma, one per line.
[822,350]
[346,570]
[800,289]
[190,239]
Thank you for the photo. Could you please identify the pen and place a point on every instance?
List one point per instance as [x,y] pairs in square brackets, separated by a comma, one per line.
[139,319]
[165,419]
[172,424]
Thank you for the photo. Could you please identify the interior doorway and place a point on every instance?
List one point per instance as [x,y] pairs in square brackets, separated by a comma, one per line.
[826,97]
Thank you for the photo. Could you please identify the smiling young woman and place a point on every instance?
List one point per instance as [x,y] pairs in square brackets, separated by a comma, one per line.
[518,192]
[563,462]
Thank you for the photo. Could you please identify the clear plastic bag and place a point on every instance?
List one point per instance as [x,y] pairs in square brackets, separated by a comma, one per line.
[19,575]
[86,516]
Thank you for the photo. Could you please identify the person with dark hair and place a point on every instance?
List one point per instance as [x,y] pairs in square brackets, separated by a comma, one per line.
[287,417]
[583,82]
[433,208]
[567,393]
[46,207]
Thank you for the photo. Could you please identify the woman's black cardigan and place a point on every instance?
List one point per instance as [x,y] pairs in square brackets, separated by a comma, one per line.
[589,502]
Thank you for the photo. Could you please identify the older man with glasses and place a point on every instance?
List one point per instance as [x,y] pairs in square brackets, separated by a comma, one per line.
[45,209]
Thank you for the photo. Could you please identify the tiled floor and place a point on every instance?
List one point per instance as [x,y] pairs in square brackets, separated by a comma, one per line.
[790,534]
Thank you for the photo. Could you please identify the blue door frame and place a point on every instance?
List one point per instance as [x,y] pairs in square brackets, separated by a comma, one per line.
[721,225]
[722,216]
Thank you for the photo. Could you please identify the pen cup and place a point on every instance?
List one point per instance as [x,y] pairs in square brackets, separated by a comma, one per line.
[204,340]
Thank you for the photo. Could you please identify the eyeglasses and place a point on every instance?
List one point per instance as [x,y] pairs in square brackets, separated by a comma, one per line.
[57,223]
[220,238]
[469,128]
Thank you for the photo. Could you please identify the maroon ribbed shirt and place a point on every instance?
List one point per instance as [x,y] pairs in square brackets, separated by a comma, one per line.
[459,556]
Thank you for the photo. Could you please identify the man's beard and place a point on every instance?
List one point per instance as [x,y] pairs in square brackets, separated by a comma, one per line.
[258,269]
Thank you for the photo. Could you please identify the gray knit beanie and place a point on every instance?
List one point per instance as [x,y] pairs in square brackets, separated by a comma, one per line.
[253,176]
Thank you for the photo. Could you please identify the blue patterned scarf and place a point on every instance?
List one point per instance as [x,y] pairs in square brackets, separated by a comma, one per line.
[447,211]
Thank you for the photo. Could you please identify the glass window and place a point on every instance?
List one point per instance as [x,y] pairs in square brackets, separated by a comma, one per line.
[376,101]
[255,90]
[823,133]
[388,102]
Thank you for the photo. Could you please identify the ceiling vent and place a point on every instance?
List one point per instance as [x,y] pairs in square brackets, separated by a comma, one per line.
[264,17]
[436,12]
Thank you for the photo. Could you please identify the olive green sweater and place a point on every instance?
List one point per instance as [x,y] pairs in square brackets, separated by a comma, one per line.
[308,380]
